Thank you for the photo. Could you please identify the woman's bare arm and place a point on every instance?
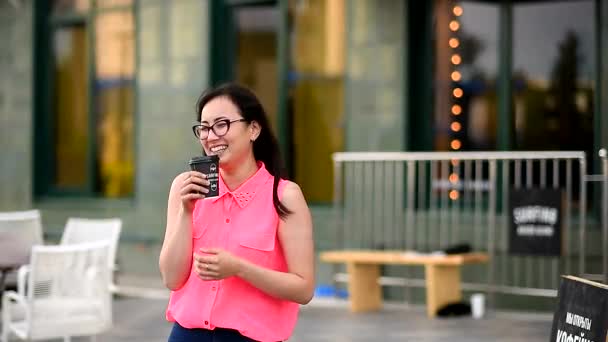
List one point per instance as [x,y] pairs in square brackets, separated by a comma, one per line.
[175,259]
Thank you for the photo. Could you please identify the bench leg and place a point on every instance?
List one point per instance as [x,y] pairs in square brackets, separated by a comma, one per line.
[363,288]
[442,287]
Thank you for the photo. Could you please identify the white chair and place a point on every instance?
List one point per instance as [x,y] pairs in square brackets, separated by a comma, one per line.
[79,230]
[19,231]
[67,294]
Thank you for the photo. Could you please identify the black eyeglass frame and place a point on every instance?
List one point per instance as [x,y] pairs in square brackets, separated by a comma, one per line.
[228,122]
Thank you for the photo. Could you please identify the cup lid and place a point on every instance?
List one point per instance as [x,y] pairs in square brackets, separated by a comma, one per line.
[203,159]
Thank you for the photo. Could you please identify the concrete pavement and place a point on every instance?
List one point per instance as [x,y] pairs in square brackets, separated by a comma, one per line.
[139,320]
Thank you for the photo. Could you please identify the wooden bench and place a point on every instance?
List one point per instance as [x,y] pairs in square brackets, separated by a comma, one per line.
[442,273]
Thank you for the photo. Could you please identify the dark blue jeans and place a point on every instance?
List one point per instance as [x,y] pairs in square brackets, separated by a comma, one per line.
[181,334]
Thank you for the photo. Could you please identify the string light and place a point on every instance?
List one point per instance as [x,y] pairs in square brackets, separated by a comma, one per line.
[454,195]
[454,25]
[454,43]
[457,92]
[457,11]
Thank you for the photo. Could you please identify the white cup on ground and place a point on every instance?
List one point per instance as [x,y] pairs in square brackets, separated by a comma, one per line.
[478,305]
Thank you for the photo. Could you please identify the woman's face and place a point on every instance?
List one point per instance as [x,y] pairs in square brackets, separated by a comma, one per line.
[234,145]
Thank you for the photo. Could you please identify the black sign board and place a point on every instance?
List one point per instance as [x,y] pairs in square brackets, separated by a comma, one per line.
[535,216]
[582,311]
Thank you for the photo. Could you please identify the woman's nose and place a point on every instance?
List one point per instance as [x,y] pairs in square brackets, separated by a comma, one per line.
[212,135]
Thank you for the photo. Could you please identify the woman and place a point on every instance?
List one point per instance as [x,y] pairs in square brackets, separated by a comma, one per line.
[238,264]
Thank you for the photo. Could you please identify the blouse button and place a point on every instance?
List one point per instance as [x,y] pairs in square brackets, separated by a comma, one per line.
[206,323]
[227,220]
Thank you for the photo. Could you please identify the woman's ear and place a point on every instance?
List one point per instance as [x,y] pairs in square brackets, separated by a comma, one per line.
[255,130]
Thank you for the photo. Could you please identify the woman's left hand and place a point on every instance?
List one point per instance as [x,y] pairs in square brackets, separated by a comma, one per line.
[215,264]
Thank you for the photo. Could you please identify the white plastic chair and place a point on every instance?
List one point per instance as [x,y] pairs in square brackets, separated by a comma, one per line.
[79,230]
[19,231]
[66,294]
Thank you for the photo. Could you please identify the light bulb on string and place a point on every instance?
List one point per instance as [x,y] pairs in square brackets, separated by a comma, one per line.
[457,93]
[454,43]
[457,10]
[454,25]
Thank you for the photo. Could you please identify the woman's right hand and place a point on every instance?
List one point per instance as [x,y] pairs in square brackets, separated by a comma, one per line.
[194,187]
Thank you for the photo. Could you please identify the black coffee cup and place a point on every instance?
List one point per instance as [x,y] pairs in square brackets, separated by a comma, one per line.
[208,165]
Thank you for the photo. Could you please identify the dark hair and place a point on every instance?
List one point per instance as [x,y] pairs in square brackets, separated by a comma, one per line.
[265,147]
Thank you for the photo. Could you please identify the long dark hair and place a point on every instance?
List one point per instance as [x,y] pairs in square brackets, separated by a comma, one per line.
[265,147]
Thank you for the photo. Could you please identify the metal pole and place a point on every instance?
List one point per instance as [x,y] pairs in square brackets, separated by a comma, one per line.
[411,203]
[492,228]
[337,198]
[604,158]
[582,213]
[338,216]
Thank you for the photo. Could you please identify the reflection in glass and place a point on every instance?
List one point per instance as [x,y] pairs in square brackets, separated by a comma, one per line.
[554,68]
[316,106]
[114,65]
[70,106]
[465,75]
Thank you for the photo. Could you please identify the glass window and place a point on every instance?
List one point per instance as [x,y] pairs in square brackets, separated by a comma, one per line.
[91,90]
[553,74]
[466,71]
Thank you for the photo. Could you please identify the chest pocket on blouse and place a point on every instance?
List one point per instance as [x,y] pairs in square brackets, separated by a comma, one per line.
[257,247]
[262,242]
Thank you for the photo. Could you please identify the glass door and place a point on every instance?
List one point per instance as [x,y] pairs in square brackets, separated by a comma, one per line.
[306,115]
[256,64]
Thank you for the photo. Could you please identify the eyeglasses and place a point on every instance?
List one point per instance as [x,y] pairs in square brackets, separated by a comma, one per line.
[219,128]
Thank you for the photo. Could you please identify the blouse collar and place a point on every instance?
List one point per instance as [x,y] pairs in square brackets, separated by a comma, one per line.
[246,192]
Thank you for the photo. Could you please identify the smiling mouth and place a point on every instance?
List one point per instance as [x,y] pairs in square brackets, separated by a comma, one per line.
[217,150]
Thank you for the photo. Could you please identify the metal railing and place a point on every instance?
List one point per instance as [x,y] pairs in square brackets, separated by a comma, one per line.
[430,201]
